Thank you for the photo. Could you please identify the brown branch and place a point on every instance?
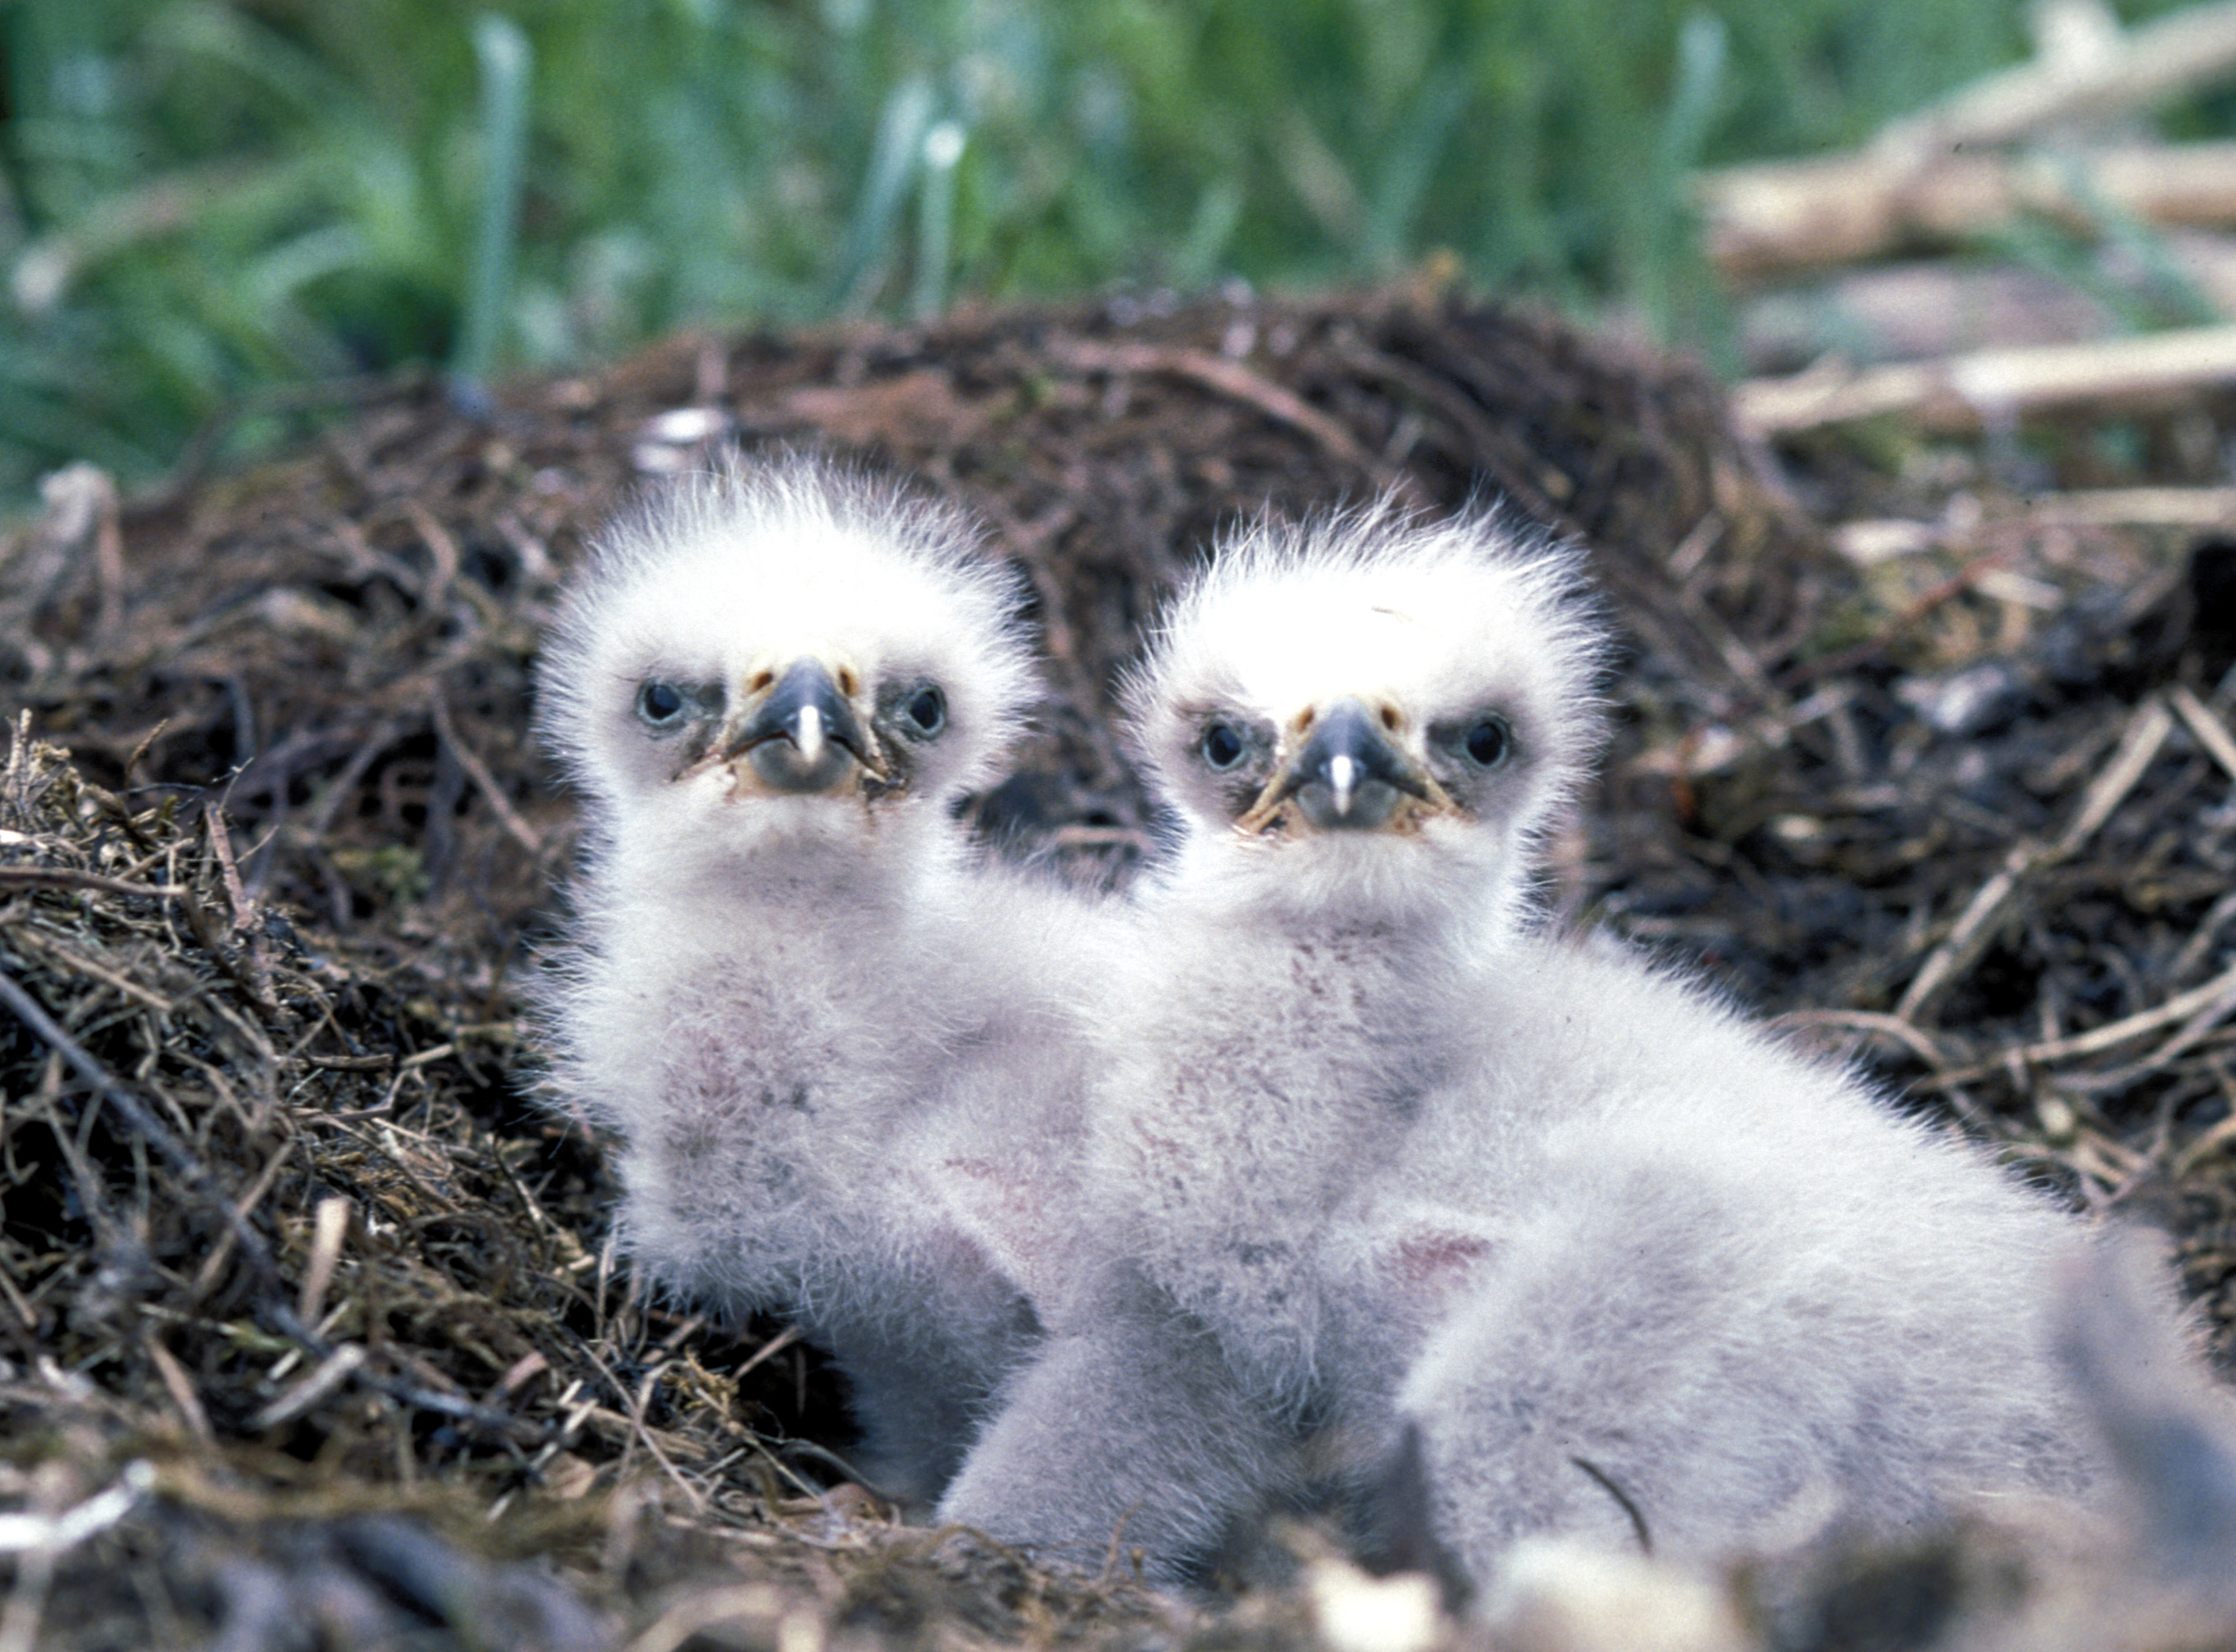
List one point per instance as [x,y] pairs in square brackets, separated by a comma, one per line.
[58,877]
[1237,382]
[477,771]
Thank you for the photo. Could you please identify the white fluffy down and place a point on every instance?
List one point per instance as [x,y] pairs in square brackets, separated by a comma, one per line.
[1371,1149]
[805,1015]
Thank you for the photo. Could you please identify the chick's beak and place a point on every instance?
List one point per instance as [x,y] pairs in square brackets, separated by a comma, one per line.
[804,735]
[1348,776]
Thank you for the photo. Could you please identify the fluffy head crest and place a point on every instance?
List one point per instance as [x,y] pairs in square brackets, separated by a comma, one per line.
[1443,642]
[735,575]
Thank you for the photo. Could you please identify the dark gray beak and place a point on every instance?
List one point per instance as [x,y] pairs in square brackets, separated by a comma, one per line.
[1348,776]
[804,737]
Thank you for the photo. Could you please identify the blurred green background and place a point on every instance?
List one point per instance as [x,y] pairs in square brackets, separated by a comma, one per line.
[201,200]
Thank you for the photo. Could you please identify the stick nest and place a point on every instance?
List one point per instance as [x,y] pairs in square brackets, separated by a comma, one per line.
[296,1274]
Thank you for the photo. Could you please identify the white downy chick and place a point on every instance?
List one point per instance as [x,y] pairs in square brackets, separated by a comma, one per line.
[1374,1154]
[808,1010]
[1364,728]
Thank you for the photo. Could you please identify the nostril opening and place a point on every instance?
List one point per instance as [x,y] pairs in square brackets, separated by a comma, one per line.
[1306,721]
[847,681]
[1389,718]
[759,681]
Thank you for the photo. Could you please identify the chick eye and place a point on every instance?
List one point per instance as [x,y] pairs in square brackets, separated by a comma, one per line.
[1222,746]
[1488,741]
[659,705]
[927,710]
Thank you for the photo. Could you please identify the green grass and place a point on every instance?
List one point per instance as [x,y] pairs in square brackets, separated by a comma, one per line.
[202,198]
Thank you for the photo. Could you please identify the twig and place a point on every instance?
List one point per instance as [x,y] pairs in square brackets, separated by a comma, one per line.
[330,1373]
[768,1350]
[1891,1026]
[2140,743]
[181,1388]
[2211,733]
[244,922]
[689,1618]
[2215,998]
[477,771]
[1238,382]
[59,877]
[214,1264]
[69,960]
[638,1429]
[2203,507]
[1964,392]
[330,1225]
[2191,46]
[26,1533]
[199,1182]
[1780,218]
[1843,659]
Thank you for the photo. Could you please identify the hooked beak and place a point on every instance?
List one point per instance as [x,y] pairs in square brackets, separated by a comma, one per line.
[1348,776]
[804,737]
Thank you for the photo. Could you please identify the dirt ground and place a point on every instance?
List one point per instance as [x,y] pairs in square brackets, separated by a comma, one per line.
[308,1319]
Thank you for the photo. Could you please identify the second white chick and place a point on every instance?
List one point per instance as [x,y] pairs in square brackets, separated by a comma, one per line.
[808,1010]
[1364,728]
[1372,1156]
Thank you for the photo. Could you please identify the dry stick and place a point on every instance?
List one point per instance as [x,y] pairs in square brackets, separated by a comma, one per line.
[1786,217]
[2144,66]
[244,922]
[57,878]
[1969,937]
[1965,392]
[1914,174]
[638,1429]
[48,946]
[1868,1021]
[2134,507]
[769,1350]
[330,1228]
[477,771]
[2221,1135]
[689,1618]
[2211,733]
[181,1388]
[1868,539]
[2191,1032]
[2201,939]
[323,1380]
[206,1278]
[26,1314]
[2206,1003]
[1840,660]
[442,547]
[1238,382]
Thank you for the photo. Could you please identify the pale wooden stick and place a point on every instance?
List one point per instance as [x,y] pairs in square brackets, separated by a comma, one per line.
[1963,392]
[1976,926]
[1779,217]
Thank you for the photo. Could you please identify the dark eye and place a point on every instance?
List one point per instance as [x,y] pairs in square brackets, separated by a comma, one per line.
[1489,741]
[659,704]
[1222,746]
[927,710]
